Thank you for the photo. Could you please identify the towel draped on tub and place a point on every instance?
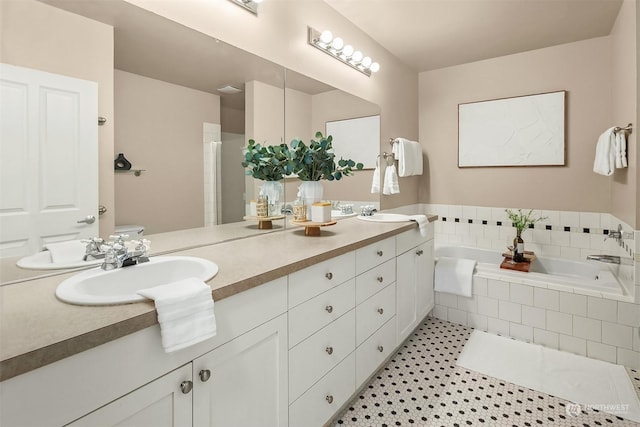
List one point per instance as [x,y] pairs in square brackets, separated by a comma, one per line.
[454,275]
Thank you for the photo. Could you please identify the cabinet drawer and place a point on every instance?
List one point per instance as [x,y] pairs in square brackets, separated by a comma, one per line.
[374,254]
[412,238]
[319,311]
[318,354]
[322,401]
[373,352]
[374,312]
[371,281]
[312,281]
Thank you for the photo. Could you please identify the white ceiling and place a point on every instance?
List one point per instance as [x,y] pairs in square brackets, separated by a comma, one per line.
[431,34]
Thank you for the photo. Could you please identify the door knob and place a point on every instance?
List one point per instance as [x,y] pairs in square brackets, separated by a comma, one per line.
[89,219]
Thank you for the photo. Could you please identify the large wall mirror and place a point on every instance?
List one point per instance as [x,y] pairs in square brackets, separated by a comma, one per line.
[176,91]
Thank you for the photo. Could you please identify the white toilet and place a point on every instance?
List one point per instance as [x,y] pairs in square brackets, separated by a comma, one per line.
[133,231]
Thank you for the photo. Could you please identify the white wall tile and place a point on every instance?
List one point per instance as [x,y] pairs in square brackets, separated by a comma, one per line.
[492,232]
[455,211]
[487,306]
[510,311]
[550,251]
[533,316]
[573,345]
[469,212]
[636,339]
[597,242]
[570,253]
[521,332]
[440,312]
[477,321]
[590,220]
[590,329]
[573,304]
[542,237]
[546,298]
[469,305]
[629,358]
[545,338]
[580,240]
[628,313]
[551,217]
[603,309]
[559,322]
[498,214]
[601,351]
[462,228]
[498,289]
[483,213]
[617,335]
[521,294]
[498,326]
[480,285]
[448,300]
[560,238]
[457,316]
[569,218]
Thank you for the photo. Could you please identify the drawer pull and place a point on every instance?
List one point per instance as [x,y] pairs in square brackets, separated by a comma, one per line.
[381,310]
[329,350]
[380,253]
[380,279]
[204,374]
[186,386]
[329,308]
[419,252]
[329,275]
[380,348]
[329,399]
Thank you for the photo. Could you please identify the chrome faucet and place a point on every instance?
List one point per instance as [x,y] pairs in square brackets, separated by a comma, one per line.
[94,249]
[609,259]
[118,255]
[368,210]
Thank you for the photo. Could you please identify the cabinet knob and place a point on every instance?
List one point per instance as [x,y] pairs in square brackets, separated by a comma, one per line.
[380,253]
[329,350]
[204,374]
[329,399]
[329,308]
[381,310]
[329,275]
[380,279]
[419,252]
[380,348]
[186,386]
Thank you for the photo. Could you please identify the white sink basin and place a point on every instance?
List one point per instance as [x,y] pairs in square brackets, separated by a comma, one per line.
[385,217]
[119,286]
[42,261]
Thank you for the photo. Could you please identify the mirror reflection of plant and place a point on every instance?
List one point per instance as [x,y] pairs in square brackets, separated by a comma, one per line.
[316,160]
[266,162]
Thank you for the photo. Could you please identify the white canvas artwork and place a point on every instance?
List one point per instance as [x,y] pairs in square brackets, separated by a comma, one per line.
[520,131]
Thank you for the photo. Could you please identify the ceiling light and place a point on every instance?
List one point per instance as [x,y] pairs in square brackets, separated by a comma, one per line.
[250,5]
[343,53]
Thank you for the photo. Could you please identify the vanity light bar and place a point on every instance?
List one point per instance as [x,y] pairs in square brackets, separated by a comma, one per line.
[250,5]
[346,54]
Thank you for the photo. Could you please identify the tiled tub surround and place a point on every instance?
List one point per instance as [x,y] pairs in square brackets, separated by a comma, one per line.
[557,317]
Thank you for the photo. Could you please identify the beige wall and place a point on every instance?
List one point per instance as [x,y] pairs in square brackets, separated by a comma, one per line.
[39,36]
[624,110]
[282,26]
[160,129]
[582,69]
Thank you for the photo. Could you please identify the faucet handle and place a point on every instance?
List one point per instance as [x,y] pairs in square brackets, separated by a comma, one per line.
[119,238]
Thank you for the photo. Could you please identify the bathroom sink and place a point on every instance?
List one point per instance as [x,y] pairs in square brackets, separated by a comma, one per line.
[42,261]
[119,286]
[385,217]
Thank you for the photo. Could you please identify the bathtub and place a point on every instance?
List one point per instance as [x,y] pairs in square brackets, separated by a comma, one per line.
[585,277]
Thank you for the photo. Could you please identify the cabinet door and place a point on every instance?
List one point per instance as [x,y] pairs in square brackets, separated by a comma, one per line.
[162,402]
[244,382]
[406,294]
[424,277]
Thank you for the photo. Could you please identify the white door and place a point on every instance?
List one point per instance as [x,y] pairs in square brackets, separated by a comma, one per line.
[48,159]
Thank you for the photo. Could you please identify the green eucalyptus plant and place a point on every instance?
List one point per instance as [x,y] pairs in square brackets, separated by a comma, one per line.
[316,160]
[522,220]
[266,162]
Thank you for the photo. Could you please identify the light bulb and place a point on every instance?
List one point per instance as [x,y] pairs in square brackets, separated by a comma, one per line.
[337,43]
[357,56]
[326,37]
[366,62]
[375,67]
[347,51]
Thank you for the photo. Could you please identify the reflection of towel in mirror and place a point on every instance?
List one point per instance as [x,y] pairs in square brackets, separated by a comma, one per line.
[185,312]
[69,251]
[409,156]
[605,153]
[375,182]
[390,185]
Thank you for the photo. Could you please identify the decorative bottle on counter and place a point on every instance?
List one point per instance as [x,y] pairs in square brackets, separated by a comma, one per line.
[518,248]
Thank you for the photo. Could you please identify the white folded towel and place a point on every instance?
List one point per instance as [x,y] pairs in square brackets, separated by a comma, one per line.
[390,185]
[185,312]
[69,251]
[409,156]
[621,150]
[454,275]
[423,223]
[604,162]
[375,182]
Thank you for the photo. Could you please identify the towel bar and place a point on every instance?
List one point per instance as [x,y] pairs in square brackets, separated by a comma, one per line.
[627,128]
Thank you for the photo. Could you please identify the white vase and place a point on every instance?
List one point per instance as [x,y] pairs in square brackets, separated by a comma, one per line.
[310,192]
[273,191]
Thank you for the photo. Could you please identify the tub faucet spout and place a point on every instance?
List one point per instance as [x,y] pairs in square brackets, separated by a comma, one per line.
[610,259]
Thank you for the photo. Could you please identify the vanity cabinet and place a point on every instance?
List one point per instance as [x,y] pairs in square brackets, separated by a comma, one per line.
[415,297]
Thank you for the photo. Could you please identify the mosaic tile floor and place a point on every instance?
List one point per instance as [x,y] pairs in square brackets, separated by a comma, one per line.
[422,386]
